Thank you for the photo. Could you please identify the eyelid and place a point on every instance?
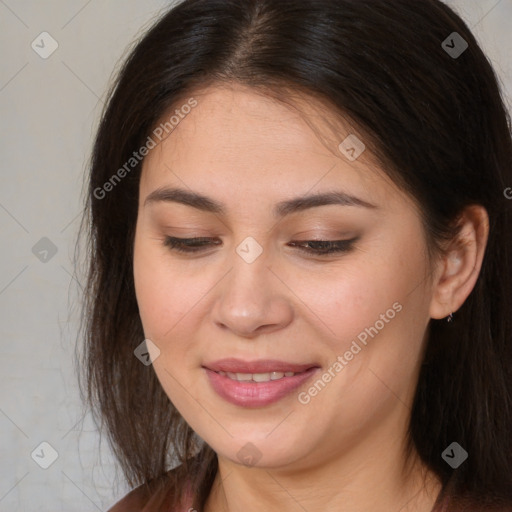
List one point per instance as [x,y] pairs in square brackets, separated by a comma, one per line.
[180,245]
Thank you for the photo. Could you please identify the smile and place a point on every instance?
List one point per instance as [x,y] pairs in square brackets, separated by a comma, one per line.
[257,377]
[258,383]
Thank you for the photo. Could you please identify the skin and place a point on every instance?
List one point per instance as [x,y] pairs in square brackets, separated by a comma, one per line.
[344,450]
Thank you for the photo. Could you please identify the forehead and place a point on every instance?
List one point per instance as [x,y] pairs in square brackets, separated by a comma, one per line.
[239,142]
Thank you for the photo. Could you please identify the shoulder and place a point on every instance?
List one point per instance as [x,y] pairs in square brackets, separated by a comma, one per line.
[134,501]
[151,498]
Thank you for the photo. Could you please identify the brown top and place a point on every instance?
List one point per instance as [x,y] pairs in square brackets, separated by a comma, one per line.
[140,500]
[134,501]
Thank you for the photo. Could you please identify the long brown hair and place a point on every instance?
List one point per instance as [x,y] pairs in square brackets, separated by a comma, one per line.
[438,124]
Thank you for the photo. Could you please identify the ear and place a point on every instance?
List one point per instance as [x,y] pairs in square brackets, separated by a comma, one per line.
[459,268]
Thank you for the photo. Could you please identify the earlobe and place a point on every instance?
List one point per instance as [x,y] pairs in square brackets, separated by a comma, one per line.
[461,264]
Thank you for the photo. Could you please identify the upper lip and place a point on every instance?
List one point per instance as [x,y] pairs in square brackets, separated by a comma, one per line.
[261,366]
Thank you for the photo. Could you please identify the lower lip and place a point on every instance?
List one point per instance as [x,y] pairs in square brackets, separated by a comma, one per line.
[256,394]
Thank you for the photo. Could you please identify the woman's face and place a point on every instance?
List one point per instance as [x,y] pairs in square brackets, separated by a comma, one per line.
[350,324]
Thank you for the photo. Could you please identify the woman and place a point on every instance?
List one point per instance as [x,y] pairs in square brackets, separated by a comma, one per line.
[300,243]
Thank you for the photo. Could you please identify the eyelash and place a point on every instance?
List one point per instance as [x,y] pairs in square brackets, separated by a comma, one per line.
[333,246]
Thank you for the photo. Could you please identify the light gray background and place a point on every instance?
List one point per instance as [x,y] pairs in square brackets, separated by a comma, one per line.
[50,109]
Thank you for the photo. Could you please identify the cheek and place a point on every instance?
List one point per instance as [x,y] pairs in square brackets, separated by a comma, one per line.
[339,299]
[157,290]
[353,296]
[373,311]
[171,296]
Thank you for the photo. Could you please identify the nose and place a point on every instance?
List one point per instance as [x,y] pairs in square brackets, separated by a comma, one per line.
[252,299]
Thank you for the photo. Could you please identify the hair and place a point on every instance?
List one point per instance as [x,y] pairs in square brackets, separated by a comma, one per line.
[439,127]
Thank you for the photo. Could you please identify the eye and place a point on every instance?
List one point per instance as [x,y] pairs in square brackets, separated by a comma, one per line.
[316,247]
[324,247]
[189,245]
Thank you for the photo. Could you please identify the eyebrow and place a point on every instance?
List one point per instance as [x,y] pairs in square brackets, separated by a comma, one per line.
[297,204]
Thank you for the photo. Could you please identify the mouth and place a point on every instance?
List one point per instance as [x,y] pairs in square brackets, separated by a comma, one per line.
[257,377]
[256,383]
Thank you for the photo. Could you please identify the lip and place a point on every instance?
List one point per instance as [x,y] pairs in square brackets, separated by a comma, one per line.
[256,394]
[262,366]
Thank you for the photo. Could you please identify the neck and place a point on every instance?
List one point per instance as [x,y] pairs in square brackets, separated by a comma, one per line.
[354,483]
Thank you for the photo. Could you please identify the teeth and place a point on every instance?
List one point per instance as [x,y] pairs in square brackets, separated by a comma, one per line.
[261,377]
[242,376]
[256,377]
